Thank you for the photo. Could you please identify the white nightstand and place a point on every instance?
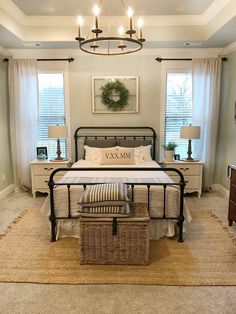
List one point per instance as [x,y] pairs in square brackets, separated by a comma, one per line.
[40,172]
[192,172]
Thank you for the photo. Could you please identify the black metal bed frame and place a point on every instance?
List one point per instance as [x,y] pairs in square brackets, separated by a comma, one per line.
[152,136]
[181,184]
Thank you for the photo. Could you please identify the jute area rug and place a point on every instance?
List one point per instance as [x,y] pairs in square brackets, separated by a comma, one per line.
[207,257]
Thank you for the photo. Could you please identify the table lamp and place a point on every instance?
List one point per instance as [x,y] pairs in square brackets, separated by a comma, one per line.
[190,132]
[58,131]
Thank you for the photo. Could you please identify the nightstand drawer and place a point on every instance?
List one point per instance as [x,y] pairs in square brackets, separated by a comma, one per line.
[46,169]
[41,182]
[186,169]
[192,182]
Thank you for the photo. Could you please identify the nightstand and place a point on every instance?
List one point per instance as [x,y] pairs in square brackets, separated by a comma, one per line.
[192,172]
[40,172]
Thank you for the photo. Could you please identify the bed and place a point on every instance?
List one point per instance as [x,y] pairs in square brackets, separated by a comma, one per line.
[147,182]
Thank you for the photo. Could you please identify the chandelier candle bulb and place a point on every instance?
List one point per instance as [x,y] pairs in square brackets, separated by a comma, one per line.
[130,14]
[80,23]
[121,32]
[140,26]
[96,12]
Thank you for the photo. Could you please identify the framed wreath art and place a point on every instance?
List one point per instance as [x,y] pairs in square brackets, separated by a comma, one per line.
[115,94]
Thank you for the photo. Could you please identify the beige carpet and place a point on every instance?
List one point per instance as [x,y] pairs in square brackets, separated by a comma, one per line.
[207,257]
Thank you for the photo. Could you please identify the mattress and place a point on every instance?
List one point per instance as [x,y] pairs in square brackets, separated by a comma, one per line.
[156,207]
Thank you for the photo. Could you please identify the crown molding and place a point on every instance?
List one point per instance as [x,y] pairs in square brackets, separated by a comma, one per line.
[4,52]
[227,50]
[214,9]
[160,52]
[13,11]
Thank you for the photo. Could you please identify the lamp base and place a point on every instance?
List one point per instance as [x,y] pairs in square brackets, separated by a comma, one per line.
[189,160]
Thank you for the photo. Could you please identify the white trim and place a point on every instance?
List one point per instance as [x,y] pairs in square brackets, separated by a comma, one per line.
[157,52]
[7,190]
[55,67]
[215,8]
[223,191]
[168,67]
[230,48]
[13,11]
[4,52]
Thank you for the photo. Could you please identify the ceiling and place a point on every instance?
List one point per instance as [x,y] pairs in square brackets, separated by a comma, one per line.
[51,24]
[147,7]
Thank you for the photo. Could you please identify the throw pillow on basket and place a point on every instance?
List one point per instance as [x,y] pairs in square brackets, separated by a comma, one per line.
[105,200]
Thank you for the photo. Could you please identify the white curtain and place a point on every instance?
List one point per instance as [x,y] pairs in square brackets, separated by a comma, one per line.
[23,118]
[206,98]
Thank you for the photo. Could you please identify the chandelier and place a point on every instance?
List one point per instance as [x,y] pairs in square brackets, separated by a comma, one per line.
[101,42]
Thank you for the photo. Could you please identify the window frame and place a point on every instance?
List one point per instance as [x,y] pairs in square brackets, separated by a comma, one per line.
[60,67]
[169,67]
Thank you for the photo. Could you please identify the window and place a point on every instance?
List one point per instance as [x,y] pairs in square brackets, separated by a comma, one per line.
[52,109]
[178,110]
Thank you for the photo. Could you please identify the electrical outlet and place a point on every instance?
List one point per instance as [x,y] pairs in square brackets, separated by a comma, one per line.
[3,177]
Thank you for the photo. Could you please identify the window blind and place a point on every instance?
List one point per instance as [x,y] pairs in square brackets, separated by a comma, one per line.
[52,110]
[178,109]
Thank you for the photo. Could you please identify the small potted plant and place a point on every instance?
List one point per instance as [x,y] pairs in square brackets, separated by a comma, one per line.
[169,151]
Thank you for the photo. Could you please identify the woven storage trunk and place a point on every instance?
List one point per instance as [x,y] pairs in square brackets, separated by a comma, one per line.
[129,246]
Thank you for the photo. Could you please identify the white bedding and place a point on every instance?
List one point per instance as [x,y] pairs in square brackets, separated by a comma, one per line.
[159,227]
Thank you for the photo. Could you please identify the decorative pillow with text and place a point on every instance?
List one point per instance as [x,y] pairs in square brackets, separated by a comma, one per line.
[118,156]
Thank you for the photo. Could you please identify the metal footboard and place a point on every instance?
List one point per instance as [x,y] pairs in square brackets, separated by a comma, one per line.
[68,182]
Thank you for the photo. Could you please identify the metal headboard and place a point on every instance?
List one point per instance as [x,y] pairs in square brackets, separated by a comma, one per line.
[121,132]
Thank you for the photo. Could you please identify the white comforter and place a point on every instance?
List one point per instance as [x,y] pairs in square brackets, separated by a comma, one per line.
[159,227]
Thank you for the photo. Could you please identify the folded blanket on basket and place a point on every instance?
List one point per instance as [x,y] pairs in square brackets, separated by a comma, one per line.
[105,200]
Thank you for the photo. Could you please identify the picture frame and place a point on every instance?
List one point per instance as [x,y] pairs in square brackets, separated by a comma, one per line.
[130,82]
[42,150]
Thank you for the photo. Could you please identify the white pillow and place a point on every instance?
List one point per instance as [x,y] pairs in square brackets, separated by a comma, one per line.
[141,153]
[147,153]
[92,153]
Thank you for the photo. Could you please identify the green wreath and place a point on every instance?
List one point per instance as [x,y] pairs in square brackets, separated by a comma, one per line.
[115,89]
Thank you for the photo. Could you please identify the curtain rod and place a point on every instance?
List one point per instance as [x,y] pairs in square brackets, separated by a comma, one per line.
[184,59]
[66,59]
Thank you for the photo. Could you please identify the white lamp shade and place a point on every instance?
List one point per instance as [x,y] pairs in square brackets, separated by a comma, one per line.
[57,131]
[190,132]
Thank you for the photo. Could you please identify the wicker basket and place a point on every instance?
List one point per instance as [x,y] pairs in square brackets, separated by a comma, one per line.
[129,246]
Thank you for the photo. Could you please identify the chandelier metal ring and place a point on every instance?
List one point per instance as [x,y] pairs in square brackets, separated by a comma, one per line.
[94,43]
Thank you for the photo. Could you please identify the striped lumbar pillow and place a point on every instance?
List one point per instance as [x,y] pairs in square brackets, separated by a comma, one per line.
[107,192]
[107,200]
[105,211]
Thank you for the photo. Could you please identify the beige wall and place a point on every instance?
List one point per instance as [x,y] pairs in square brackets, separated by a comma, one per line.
[85,67]
[226,146]
[6,176]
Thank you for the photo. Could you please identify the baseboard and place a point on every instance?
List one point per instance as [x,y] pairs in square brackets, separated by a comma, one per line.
[220,188]
[7,190]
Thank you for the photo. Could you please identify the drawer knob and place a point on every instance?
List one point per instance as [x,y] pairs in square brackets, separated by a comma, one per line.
[48,168]
[186,181]
[46,181]
[184,169]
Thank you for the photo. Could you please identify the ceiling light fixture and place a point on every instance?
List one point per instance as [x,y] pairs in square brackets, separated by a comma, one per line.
[101,42]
